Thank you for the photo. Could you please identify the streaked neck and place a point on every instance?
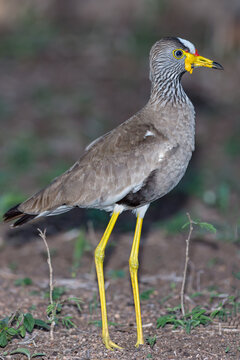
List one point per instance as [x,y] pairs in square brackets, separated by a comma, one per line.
[167,89]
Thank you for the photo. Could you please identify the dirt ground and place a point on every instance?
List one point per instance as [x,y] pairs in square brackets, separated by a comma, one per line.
[161,267]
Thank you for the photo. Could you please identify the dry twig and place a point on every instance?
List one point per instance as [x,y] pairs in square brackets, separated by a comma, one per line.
[43,237]
[186,262]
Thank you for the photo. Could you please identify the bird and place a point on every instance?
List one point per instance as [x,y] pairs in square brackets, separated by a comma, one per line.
[136,163]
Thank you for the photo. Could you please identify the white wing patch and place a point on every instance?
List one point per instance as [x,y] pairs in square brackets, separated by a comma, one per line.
[148,133]
[60,210]
[188,44]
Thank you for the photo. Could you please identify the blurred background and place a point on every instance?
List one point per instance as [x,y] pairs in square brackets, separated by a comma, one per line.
[72,70]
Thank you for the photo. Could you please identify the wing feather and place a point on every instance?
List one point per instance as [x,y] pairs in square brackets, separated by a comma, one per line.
[110,168]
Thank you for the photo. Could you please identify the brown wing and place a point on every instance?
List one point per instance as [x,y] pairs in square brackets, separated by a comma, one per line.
[111,167]
[114,165]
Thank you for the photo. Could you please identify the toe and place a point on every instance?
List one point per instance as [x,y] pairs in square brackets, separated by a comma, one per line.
[110,345]
[113,345]
[138,343]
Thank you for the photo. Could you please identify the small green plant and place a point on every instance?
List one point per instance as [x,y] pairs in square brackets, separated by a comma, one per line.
[199,316]
[230,308]
[24,351]
[23,282]
[93,304]
[221,313]
[145,295]
[67,322]
[56,304]
[173,285]
[17,325]
[116,274]
[13,266]
[54,311]
[227,349]
[97,323]
[196,294]
[203,225]
[81,245]
[235,305]
[151,340]
[57,293]
[189,321]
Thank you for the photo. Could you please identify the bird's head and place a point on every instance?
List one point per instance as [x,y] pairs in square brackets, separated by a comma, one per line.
[173,56]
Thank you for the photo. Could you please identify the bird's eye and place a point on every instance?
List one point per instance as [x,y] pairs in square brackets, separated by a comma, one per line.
[178,54]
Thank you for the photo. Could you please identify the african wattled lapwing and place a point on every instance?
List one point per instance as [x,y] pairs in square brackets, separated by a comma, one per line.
[136,163]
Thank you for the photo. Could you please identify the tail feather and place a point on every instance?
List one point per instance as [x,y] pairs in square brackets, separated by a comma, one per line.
[14,213]
[24,219]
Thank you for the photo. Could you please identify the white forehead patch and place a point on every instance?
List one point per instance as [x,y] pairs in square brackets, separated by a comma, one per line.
[188,44]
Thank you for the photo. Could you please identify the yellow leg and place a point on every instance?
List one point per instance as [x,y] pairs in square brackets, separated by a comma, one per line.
[99,257]
[133,267]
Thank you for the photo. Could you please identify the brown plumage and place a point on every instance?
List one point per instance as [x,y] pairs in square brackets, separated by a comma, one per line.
[115,166]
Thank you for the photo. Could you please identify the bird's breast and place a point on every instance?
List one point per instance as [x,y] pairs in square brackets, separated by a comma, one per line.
[171,171]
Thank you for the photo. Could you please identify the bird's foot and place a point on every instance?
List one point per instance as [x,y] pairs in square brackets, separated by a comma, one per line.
[110,345]
[139,342]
